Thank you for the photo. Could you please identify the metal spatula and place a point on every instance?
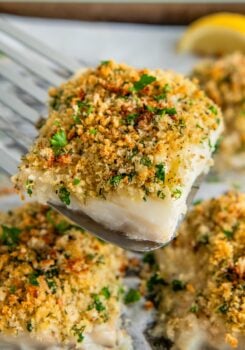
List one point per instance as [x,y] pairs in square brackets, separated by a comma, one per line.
[28,102]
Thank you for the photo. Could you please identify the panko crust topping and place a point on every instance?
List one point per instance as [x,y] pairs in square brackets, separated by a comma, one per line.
[56,281]
[224,82]
[119,129]
[210,283]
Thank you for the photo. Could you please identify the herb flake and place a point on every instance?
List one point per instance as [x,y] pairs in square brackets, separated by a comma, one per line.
[58,141]
[78,331]
[132,296]
[178,285]
[131,119]
[145,80]
[155,280]
[115,180]
[76,182]
[213,109]
[32,278]
[106,292]
[10,236]
[223,308]
[160,172]
[64,195]
[146,161]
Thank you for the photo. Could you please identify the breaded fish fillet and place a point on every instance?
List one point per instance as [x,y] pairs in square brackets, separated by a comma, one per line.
[58,284]
[224,81]
[124,146]
[203,297]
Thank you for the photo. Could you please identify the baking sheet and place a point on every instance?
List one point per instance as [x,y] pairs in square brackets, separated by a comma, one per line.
[138,45]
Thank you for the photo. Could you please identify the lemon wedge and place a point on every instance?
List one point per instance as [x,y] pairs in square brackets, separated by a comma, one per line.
[220,33]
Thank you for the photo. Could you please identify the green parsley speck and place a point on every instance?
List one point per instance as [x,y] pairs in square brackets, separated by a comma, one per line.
[64,195]
[132,296]
[145,80]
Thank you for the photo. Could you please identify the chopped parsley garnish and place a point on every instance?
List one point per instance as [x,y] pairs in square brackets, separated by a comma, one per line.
[97,304]
[133,153]
[155,280]
[145,80]
[105,292]
[57,123]
[146,161]
[160,172]
[10,236]
[217,144]
[151,109]
[131,176]
[64,195]
[62,226]
[178,285]
[32,278]
[229,234]
[223,308]
[49,216]
[29,186]
[194,308]
[161,194]
[76,181]
[79,333]
[163,96]
[12,289]
[213,109]
[162,111]
[115,180]
[58,141]
[166,88]
[203,239]
[104,63]
[85,107]
[131,118]
[52,285]
[132,296]
[29,326]
[52,272]
[76,119]
[121,291]
[181,125]
[149,258]
[170,111]
[93,131]
[176,193]
[90,256]
[55,102]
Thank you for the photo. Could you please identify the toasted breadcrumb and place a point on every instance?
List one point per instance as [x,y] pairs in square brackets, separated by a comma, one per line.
[224,81]
[202,276]
[57,282]
[116,128]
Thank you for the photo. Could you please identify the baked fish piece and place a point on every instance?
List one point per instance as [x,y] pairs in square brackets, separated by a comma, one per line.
[59,286]
[202,294]
[125,146]
[223,80]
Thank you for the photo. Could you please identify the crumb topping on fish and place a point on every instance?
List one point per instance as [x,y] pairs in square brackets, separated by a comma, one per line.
[224,82]
[121,129]
[57,282]
[204,273]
